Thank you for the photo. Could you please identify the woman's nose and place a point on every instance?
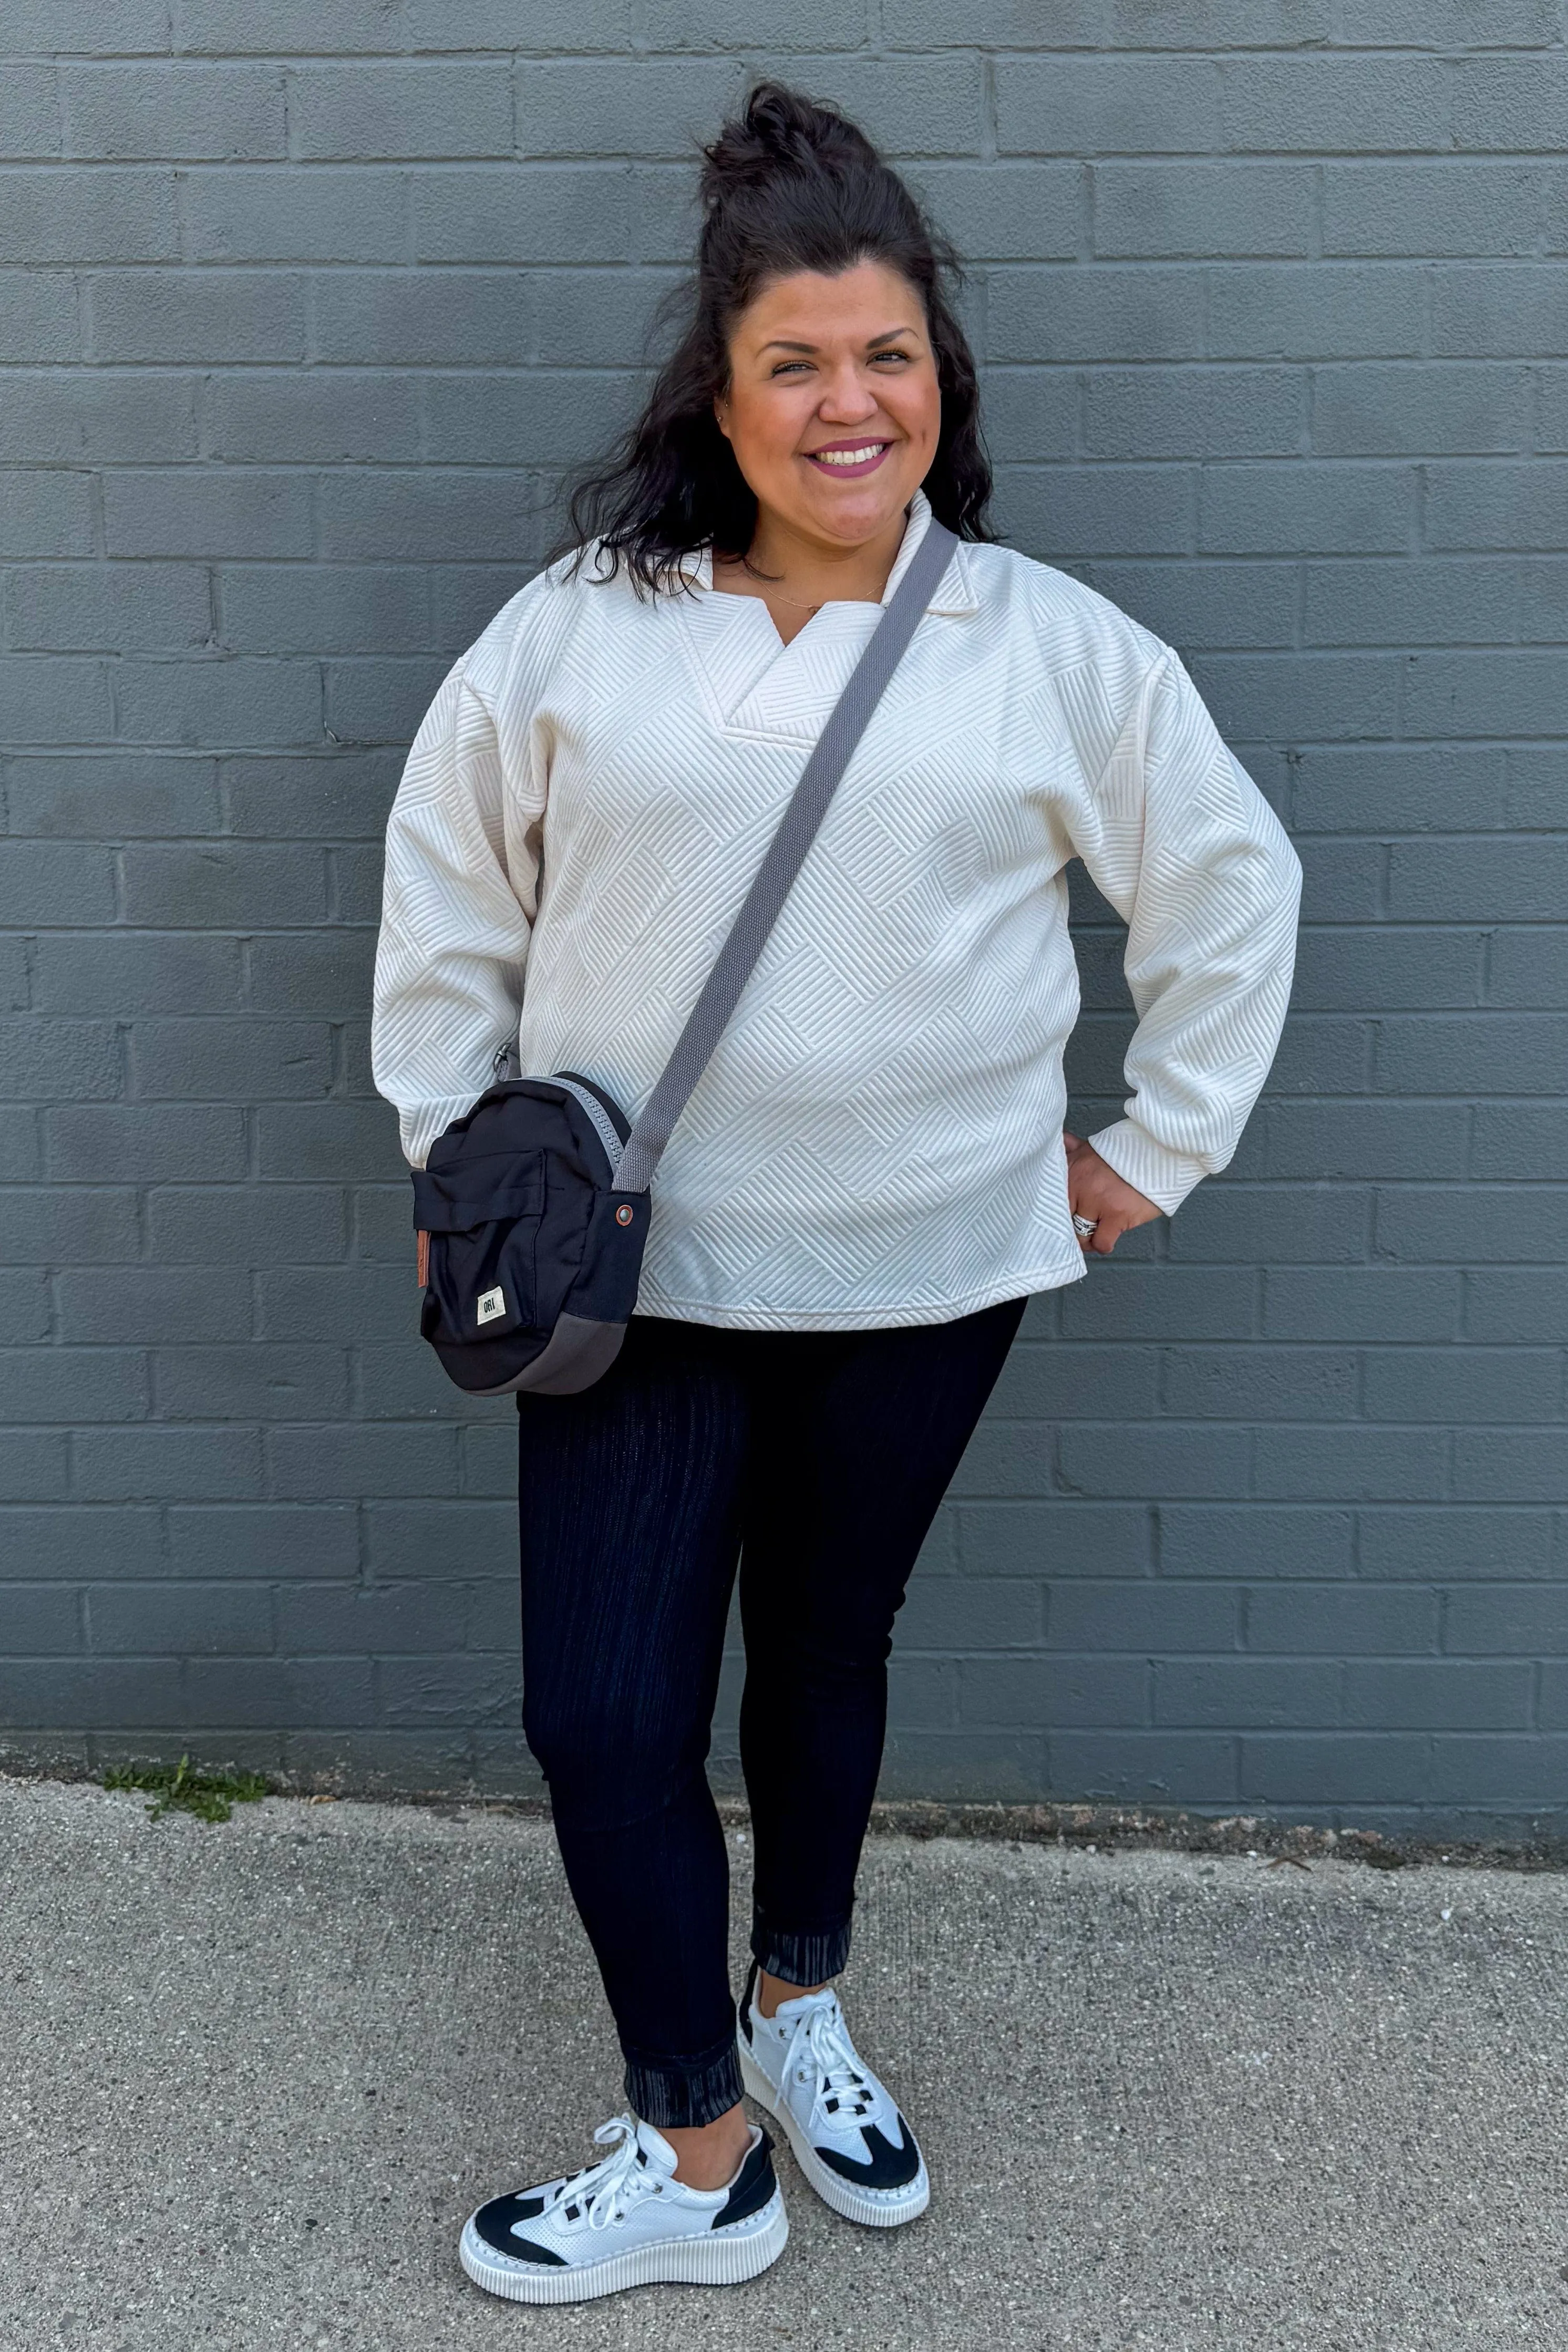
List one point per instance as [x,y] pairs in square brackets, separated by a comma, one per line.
[849,399]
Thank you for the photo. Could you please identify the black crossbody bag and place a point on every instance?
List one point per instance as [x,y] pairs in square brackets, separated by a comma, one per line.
[536,1200]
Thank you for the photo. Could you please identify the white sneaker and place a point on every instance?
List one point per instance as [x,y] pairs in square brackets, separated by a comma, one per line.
[626,2221]
[849,2138]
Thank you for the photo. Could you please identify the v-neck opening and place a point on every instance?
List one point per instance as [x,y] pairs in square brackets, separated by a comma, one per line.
[754,683]
[757,685]
[858,603]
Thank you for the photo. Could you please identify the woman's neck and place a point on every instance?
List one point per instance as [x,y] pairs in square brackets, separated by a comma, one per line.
[794,576]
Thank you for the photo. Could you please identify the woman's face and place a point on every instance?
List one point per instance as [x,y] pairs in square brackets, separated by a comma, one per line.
[833,407]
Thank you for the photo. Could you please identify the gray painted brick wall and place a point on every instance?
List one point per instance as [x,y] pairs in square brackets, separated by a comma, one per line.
[306,310]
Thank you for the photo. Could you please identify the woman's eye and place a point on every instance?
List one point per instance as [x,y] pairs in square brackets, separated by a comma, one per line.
[802,367]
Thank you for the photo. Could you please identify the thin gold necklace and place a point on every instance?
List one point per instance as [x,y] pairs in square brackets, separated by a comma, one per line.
[793,600]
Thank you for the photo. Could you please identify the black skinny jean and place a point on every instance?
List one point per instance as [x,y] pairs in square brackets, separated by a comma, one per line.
[818,1459]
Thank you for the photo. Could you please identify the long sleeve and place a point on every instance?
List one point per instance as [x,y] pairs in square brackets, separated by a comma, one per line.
[1191,856]
[456,911]
[877,1139]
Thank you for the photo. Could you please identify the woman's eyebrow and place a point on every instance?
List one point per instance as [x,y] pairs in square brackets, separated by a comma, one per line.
[888,335]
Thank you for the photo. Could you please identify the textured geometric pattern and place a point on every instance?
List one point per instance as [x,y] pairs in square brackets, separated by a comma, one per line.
[878,1138]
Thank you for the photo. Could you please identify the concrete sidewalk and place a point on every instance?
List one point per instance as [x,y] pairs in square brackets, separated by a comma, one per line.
[255,2075]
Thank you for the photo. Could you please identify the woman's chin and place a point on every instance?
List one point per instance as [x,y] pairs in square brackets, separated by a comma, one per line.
[850,517]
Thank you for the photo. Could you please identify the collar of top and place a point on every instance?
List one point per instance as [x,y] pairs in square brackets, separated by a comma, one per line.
[954,591]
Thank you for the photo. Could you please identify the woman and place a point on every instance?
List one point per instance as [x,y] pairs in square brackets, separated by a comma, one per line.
[871,1177]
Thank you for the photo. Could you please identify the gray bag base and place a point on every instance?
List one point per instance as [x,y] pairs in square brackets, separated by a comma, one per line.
[576,1354]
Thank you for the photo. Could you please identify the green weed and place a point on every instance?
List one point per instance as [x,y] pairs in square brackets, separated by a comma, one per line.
[211,1796]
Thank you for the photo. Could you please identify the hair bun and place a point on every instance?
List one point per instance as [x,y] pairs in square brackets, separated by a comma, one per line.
[779,131]
[790,188]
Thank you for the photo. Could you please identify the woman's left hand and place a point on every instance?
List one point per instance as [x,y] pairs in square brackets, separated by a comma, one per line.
[1096,1191]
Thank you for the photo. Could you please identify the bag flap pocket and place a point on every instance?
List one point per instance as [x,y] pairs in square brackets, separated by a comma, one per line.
[480,1192]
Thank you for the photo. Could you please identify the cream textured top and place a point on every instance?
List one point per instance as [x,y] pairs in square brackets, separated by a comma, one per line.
[878,1138]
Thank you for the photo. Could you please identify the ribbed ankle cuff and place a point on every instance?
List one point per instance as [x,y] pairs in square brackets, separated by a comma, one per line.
[800,1955]
[679,2095]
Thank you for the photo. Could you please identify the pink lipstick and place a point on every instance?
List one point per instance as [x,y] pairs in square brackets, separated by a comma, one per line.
[848,460]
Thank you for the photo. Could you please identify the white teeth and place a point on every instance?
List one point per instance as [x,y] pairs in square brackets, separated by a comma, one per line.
[848,456]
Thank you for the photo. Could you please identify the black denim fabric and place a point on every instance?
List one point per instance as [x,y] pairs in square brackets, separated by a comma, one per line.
[818,1459]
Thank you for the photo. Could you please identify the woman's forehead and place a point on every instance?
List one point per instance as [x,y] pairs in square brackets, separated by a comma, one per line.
[868,303]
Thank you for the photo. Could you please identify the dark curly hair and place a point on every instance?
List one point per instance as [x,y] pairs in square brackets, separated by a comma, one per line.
[788,186]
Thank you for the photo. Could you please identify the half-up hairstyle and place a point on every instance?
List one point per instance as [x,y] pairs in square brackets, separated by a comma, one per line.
[787,187]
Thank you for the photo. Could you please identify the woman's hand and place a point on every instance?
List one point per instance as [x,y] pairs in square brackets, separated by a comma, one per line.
[1096,1191]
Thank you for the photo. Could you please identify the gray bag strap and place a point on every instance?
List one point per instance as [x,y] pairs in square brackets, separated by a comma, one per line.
[785,856]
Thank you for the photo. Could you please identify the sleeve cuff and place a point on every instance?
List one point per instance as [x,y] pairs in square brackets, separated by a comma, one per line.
[420,1126]
[1162,1176]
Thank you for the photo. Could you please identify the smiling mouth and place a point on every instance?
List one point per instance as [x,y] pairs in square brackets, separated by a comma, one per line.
[861,457]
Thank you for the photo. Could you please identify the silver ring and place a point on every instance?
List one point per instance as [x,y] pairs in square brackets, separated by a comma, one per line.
[1084,1225]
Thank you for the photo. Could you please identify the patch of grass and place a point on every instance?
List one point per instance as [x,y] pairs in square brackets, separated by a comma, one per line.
[211,1796]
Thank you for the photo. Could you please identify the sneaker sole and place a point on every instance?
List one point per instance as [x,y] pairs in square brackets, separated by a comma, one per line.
[712,2259]
[885,2212]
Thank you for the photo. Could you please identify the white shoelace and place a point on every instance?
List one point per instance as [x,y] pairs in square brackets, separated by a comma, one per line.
[818,2035]
[605,2192]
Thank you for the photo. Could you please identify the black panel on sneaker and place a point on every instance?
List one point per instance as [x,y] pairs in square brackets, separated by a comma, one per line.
[753,2186]
[889,2168]
[523,2250]
[494,2224]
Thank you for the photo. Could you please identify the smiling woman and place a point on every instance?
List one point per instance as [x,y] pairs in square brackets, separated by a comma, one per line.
[870,1176]
[818,280]
[833,429]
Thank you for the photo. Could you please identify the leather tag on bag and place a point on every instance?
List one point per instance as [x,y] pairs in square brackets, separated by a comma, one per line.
[423,1260]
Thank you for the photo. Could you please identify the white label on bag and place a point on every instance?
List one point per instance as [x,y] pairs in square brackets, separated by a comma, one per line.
[491,1304]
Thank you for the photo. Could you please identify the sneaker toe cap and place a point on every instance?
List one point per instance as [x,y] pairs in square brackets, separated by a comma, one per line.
[496,2226]
[884,2165]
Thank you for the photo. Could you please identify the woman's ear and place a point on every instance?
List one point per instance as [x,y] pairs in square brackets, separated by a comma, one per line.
[719,405]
